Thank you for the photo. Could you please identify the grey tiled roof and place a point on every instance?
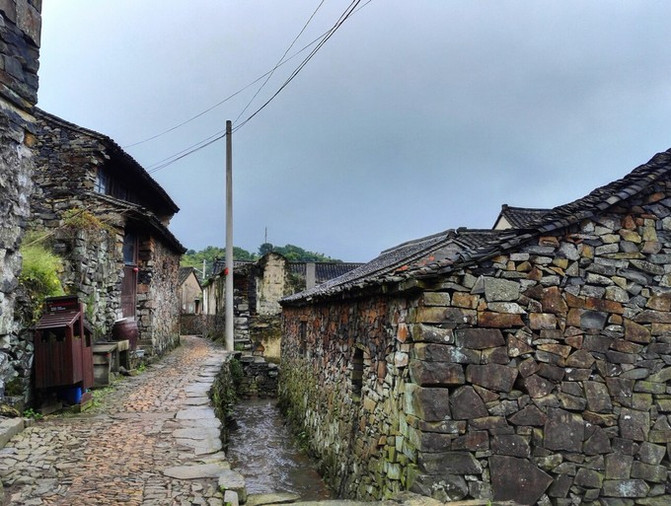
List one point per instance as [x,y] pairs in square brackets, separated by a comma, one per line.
[521,217]
[323,270]
[443,252]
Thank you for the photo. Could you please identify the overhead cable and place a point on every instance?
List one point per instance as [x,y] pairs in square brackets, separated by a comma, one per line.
[353,7]
[280,61]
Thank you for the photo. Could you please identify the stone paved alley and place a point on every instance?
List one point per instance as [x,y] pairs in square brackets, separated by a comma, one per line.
[129,448]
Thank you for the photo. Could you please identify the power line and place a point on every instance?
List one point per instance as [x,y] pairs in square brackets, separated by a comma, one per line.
[279,62]
[351,9]
[221,102]
[348,12]
[186,152]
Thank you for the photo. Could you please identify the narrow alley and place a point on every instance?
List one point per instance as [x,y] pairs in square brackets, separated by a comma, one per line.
[153,440]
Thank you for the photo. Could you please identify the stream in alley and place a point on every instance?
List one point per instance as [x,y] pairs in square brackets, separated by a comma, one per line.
[261,447]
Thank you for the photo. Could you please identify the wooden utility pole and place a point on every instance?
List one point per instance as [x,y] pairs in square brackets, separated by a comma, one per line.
[229,340]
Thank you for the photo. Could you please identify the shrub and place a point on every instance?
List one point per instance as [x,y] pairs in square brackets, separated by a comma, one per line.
[39,276]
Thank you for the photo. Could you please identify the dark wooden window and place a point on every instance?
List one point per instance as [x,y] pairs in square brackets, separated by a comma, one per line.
[102,181]
[129,281]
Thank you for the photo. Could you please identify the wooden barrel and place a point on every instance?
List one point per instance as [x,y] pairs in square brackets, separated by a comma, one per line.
[126,329]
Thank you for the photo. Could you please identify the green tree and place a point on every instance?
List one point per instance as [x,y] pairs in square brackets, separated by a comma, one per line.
[195,259]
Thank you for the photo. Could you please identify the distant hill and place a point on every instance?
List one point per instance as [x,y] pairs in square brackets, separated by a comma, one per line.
[291,252]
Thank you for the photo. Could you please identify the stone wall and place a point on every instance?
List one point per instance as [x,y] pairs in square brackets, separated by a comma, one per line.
[259,378]
[342,381]
[20,26]
[191,324]
[540,376]
[158,304]
[271,283]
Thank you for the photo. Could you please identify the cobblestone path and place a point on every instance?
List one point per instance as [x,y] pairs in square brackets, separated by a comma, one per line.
[122,450]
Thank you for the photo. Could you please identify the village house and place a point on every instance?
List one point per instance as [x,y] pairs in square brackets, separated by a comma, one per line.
[19,51]
[108,220]
[191,302]
[258,288]
[531,362]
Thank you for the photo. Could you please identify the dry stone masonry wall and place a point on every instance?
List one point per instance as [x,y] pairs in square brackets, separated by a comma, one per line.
[20,24]
[158,305]
[541,376]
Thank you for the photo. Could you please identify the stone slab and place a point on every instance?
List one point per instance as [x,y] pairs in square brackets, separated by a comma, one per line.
[275,498]
[195,413]
[197,433]
[10,427]
[232,480]
[196,471]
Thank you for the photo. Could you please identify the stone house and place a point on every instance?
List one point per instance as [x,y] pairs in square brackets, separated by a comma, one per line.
[20,27]
[530,363]
[108,219]
[191,302]
[259,286]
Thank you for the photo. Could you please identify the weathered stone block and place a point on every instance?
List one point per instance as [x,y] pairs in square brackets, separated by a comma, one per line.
[660,436]
[529,415]
[636,332]
[662,376]
[593,320]
[431,334]
[634,425]
[649,472]
[517,480]
[560,487]
[475,440]
[625,488]
[449,463]
[598,443]
[553,302]
[429,441]
[564,431]
[511,445]
[571,402]
[467,404]
[618,466]
[426,314]
[598,399]
[428,404]
[651,453]
[465,300]
[582,359]
[436,373]
[620,389]
[542,321]
[588,478]
[537,386]
[496,377]
[477,338]
[497,289]
[651,316]
[517,347]
[436,299]
[499,320]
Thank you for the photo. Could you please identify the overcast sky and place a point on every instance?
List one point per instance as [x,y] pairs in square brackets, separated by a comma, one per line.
[415,117]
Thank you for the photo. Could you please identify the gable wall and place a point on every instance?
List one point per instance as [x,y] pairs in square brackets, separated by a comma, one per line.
[158,305]
[541,376]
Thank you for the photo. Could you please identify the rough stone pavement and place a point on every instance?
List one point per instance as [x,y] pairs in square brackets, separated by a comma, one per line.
[130,448]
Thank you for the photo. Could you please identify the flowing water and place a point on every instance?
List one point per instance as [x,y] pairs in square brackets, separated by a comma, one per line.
[262,448]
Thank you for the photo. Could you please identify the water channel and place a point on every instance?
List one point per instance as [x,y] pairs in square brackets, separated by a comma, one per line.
[262,448]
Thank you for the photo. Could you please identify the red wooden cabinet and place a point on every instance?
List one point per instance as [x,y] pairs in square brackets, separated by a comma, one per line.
[63,347]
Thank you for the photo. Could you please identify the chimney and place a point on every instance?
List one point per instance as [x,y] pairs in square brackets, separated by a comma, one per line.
[310,275]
